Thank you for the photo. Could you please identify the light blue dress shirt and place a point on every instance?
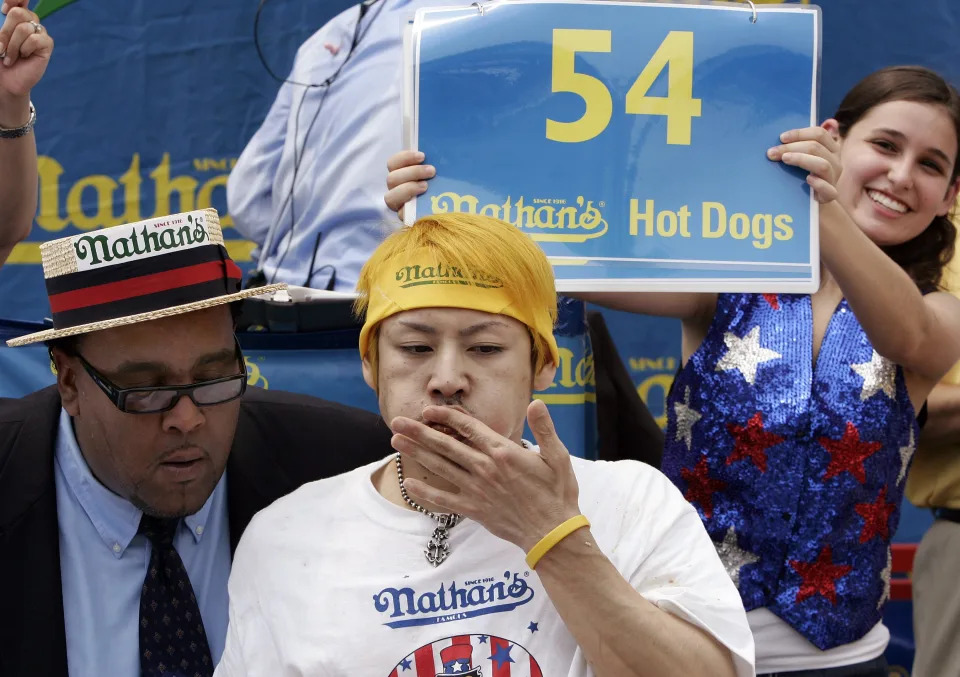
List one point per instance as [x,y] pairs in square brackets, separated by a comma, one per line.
[341,177]
[103,562]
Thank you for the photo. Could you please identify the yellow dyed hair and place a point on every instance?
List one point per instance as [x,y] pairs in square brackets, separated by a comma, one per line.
[484,248]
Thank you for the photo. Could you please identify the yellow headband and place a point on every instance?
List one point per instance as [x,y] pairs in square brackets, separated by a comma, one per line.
[421,281]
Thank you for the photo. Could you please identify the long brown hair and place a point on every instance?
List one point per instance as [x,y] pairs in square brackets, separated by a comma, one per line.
[925,256]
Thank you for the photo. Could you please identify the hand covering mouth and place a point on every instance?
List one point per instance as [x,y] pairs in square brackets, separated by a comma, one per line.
[447,430]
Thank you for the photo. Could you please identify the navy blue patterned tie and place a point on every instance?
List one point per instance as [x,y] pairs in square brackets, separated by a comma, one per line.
[172,639]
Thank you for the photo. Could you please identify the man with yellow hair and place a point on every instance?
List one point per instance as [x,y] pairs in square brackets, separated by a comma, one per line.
[470,551]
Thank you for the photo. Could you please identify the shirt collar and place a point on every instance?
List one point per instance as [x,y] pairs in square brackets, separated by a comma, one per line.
[115,518]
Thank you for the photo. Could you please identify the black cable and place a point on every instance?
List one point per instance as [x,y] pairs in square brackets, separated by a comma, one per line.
[263,60]
[293,180]
[298,154]
[331,283]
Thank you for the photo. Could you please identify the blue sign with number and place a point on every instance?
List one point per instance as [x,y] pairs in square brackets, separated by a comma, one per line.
[628,139]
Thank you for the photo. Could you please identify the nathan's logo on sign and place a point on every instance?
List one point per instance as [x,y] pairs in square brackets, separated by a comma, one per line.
[544,220]
[453,602]
[416,275]
[139,241]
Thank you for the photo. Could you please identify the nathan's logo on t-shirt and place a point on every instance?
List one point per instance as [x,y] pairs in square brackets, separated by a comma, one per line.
[416,275]
[453,601]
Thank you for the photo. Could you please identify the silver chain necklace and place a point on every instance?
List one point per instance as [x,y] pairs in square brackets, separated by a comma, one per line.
[437,549]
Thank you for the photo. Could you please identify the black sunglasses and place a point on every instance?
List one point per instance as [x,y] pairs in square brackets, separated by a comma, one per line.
[158,399]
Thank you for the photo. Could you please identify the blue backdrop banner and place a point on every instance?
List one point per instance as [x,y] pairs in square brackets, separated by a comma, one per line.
[628,139]
[146,105]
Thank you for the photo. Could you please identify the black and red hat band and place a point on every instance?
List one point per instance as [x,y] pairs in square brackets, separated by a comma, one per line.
[142,286]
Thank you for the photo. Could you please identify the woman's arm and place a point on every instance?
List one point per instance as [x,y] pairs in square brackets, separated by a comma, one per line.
[920,333]
[682,305]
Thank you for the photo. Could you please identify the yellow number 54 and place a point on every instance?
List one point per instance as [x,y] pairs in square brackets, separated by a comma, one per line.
[675,54]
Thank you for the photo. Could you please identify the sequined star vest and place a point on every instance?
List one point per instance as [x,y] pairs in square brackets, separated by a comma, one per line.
[796,470]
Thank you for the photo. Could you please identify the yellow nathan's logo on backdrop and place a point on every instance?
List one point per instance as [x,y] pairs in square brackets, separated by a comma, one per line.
[70,208]
[99,201]
[255,376]
[543,219]
[575,382]
[654,376]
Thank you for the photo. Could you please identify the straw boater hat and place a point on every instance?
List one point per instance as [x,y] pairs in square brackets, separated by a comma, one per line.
[138,272]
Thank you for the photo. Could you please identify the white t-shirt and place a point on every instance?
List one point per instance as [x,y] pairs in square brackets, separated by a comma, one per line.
[332,580]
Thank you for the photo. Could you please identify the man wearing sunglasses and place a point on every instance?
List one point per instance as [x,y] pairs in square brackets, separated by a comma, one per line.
[158,399]
[125,488]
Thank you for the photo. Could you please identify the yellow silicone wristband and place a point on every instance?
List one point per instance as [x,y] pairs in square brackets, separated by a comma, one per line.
[554,537]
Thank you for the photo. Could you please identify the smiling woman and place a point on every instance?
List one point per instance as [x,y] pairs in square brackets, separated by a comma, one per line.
[901,127]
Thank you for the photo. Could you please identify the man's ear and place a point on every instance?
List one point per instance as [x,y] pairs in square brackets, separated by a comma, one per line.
[369,375]
[544,378]
[66,381]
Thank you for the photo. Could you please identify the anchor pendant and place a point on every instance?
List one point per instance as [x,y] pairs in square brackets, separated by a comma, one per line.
[438,549]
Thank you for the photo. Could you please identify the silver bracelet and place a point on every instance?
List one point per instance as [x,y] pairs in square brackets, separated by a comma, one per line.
[23,130]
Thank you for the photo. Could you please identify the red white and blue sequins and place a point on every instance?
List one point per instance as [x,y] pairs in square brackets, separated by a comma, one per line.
[796,469]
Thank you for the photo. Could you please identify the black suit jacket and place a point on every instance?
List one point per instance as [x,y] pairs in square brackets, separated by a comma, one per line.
[283,440]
